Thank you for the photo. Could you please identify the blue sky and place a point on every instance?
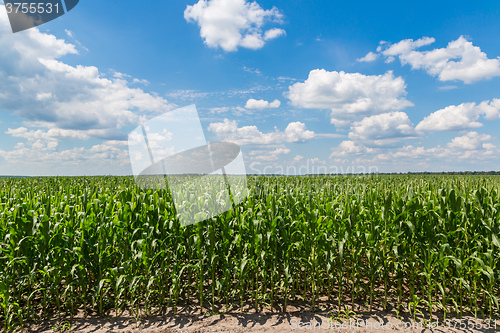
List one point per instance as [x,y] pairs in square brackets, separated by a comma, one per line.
[301,86]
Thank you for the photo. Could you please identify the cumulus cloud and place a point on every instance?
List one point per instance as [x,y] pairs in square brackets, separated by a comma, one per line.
[229,131]
[41,156]
[460,117]
[262,104]
[468,147]
[266,155]
[340,122]
[350,148]
[490,109]
[404,47]
[349,94]
[230,24]
[297,132]
[471,148]
[369,57]
[274,33]
[52,134]
[470,141]
[453,117]
[383,130]
[37,86]
[459,60]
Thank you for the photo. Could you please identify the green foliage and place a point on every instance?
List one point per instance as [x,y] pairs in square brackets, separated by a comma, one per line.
[100,243]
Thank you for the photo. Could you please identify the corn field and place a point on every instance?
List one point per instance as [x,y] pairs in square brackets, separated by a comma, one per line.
[101,245]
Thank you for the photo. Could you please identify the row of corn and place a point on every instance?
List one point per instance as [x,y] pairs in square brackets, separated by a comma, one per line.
[101,245]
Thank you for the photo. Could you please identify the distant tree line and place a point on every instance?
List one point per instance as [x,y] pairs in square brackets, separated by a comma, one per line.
[455,173]
[462,173]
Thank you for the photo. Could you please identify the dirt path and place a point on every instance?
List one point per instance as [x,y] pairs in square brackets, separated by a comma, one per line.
[253,322]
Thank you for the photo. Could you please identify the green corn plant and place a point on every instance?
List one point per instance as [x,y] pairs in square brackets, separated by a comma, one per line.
[95,244]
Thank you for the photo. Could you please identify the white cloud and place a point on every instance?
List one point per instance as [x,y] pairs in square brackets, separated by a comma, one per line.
[315,160]
[470,148]
[471,140]
[222,109]
[285,78]
[41,155]
[369,57]
[460,117]
[265,155]
[297,132]
[141,81]
[490,109]
[340,122]
[52,134]
[262,104]
[71,35]
[405,46]
[459,60]
[230,24]
[453,117]
[187,94]
[229,131]
[444,88]
[57,95]
[252,70]
[236,111]
[349,94]
[350,148]
[383,130]
[274,33]
[281,151]
[50,139]
[388,60]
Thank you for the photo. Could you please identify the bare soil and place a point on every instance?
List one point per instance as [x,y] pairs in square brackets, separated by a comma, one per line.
[295,320]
